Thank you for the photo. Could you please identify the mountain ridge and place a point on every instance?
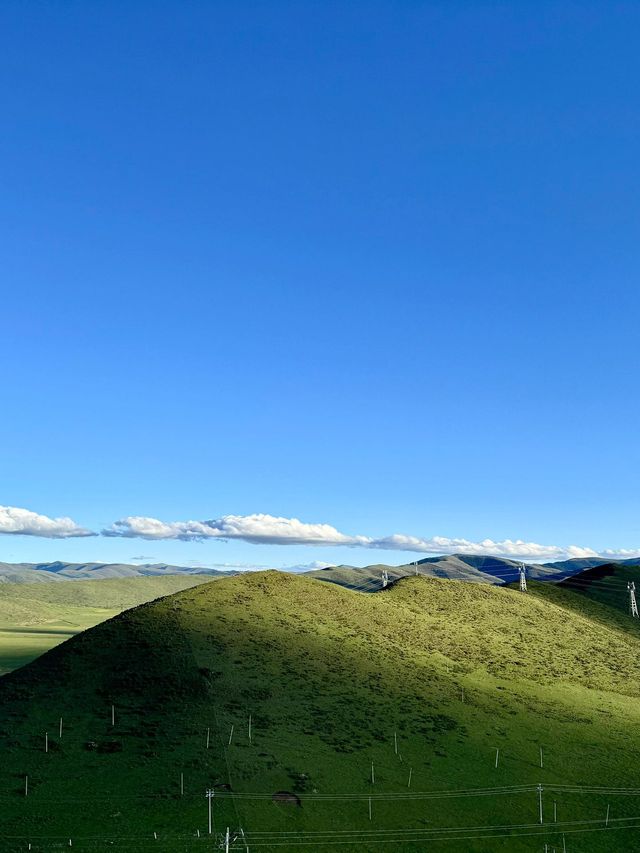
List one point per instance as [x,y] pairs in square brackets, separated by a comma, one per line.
[468,567]
[58,570]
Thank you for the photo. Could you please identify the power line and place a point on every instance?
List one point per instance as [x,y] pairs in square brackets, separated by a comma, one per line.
[382,796]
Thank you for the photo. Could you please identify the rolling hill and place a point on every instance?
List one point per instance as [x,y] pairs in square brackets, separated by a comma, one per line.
[494,570]
[463,567]
[59,571]
[320,716]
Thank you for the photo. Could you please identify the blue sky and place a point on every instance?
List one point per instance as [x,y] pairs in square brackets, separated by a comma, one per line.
[370,266]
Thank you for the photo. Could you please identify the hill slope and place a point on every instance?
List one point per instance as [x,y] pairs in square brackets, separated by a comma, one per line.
[425,681]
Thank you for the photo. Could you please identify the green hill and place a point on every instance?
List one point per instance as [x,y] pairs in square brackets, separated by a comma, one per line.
[35,617]
[424,682]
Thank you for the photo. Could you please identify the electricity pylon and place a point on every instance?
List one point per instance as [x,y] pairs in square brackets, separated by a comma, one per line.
[633,604]
[523,577]
[385,578]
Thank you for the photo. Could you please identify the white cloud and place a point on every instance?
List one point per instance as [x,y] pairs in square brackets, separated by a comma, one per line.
[264,529]
[262,567]
[258,529]
[621,553]
[271,530]
[15,520]
[509,548]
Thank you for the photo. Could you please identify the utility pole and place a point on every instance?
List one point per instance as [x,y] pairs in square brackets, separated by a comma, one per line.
[540,800]
[523,577]
[226,841]
[385,578]
[210,795]
[633,604]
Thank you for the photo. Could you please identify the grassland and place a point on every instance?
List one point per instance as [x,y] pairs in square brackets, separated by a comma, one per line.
[36,617]
[428,678]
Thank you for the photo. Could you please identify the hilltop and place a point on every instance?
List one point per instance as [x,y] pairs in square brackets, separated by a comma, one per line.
[425,681]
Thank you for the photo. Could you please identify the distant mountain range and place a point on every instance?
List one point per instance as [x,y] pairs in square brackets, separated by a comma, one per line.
[58,571]
[464,567]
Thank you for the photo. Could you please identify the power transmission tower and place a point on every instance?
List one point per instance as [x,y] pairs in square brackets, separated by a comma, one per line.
[385,578]
[523,577]
[633,604]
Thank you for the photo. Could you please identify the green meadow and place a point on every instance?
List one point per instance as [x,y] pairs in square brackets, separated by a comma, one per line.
[35,617]
[421,718]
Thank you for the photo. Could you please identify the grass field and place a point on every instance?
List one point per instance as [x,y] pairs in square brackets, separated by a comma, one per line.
[36,617]
[424,682]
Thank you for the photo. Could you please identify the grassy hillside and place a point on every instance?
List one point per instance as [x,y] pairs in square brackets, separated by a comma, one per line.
[425,681]
[36,617]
